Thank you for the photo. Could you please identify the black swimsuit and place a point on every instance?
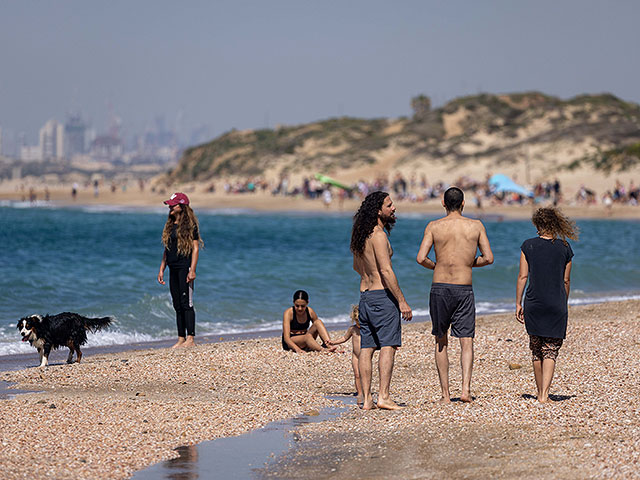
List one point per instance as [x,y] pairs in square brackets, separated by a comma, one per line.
[296,327]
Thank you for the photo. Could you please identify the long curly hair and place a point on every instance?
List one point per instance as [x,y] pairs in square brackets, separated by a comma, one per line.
[553,222]
[366,219]
[184,232]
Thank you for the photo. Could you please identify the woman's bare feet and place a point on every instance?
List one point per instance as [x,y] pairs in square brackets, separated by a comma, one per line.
[466,398]
[179,343]
[444,400]
[189,342]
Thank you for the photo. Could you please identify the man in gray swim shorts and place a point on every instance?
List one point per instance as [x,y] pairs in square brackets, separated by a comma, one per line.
[455,239]
[379,320]
[381,300]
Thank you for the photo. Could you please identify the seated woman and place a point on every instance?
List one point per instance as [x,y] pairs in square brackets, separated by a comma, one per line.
[301,326]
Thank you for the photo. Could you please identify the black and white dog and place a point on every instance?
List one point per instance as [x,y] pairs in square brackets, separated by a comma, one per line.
[63,330]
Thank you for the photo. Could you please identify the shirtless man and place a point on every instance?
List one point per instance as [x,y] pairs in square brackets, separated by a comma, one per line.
[381,300]
[456,239]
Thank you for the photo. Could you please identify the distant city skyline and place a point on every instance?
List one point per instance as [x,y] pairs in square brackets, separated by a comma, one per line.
[220,65]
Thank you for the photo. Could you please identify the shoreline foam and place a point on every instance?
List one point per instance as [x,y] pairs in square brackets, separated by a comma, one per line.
[96,344]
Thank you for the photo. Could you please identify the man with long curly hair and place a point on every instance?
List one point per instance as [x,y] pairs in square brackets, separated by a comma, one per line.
[381,300]
[182,242]
[456,240]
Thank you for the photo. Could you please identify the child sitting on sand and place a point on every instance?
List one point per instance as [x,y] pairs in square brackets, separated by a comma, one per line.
[353,333]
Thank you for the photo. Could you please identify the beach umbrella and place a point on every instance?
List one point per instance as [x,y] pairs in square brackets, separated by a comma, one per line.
[331,181]
[502,183]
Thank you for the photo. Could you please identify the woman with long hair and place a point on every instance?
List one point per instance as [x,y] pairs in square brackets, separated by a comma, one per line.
[301,327]
[182,242]
[545,261]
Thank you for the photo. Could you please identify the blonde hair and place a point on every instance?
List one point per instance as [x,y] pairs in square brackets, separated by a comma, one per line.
[355,315]
[188,221]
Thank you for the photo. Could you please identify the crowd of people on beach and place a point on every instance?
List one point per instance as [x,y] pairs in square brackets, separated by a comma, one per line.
[543,283]
[419,190]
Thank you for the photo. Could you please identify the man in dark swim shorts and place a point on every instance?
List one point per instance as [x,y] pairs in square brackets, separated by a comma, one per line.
[456,240]
[381,300]
[452,306]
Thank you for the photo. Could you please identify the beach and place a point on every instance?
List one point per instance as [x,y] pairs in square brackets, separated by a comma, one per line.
[116,413]
[264,201]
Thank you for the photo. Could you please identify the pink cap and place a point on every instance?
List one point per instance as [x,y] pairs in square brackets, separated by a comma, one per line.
[177,199]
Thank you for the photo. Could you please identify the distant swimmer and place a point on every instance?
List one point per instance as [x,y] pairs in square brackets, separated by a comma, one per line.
[456,240]
[545,261]
[182,241]
[381,300]
[301,327]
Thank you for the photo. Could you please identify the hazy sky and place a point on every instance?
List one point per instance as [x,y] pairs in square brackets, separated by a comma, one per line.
[248,64]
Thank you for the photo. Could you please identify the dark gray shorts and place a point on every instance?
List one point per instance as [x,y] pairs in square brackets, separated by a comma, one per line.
[379,320]
[452,305]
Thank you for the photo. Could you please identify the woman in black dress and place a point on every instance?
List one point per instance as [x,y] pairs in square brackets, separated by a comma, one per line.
[545,261]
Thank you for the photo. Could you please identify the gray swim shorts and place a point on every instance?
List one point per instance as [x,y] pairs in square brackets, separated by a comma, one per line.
[452,305]
[379,320]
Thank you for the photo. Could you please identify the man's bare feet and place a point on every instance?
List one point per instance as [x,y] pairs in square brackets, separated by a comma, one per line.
[359,400]
[466,398]
[189,342]
[444,400]
[388,405]
[179,343]
[543,399]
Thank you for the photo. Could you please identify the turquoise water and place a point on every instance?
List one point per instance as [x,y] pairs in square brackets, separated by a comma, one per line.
[101,261]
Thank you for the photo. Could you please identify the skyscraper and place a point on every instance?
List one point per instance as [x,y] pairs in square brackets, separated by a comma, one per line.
[52,140]
[74,136]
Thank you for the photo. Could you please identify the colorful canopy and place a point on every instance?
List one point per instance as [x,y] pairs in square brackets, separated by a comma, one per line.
[331,181]
[502,183]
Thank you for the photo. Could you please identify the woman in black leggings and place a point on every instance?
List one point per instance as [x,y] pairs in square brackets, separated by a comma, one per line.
[181,240]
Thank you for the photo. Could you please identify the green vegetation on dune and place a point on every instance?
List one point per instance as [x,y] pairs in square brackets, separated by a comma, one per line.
[511,120]
[611,161]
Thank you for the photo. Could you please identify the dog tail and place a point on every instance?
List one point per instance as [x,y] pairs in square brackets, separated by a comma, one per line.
[95,324]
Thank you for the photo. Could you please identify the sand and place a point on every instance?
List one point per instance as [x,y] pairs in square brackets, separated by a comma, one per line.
[265,202]
[119,412]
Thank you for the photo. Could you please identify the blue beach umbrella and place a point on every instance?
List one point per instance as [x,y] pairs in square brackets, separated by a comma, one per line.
[502,183]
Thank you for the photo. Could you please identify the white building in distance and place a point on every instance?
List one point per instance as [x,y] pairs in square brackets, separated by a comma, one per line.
[52,140]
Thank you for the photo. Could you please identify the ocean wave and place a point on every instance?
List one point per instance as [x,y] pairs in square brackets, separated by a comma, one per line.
[26,204]
[100,208]
[602,299]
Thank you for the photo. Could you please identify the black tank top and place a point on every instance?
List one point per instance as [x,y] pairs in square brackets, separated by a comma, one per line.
[295,326]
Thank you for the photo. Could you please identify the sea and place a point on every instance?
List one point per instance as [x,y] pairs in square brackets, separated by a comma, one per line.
[100,260]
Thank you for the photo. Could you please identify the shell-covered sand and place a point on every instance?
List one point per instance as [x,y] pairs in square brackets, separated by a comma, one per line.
[114,414]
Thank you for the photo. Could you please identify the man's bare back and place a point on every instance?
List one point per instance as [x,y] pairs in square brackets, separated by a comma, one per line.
[455,240]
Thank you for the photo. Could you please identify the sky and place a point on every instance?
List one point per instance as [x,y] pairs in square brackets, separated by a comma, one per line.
[256,64]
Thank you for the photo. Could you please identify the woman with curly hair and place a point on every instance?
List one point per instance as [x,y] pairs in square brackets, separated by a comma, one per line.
[182,242]
[545,261]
